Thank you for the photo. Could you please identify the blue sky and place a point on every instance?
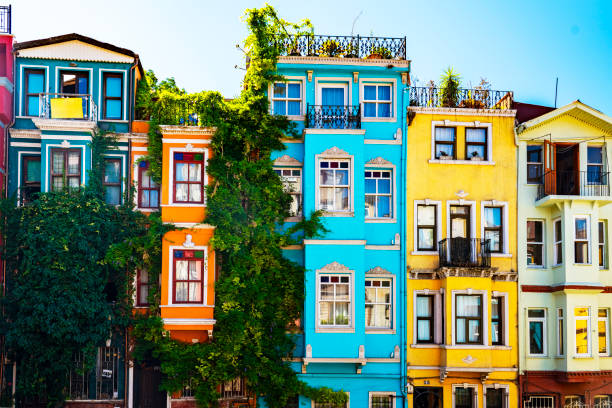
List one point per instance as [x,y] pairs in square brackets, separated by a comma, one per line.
[517,45]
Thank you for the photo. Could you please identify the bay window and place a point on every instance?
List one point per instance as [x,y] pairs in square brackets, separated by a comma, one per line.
[535,243]
[536,320]
[188,277]
[581,240]
[560,333]
[189,178]
[558,241]
[468,319]
[603,321]
[583,323]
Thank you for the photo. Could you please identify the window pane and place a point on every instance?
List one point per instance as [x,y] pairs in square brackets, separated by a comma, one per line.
[382,401]
[534,154]
[154,198]
[426,238]
[113,109]
[581,252]
[73,162]
[535,338]
[332,96]
[280,108]
[384,93]
[58,163]
[534,231]
[370,186]
[342,292]
[112,195]
[33,109]
[294,91]
[195,192]
[468,305]
[424,330]
[475,135]
[534,172]
[424,307]
[600,229]
[327,292]
[444,134]
[280,90]
[181,292]
[181,192]
[534,254]
[461,336]
[492,217]
[582,341]
[327,177]
[294,108]
[581,228]
[36,82]
[182,171]
[369,92]
[112,169]
[73,182]
[195,292]
[327,199]
[342,200]
[113,87]
[33,170]
[594,155]
[444,148]
[195,172]
[369,110]
[384,186]
[474,330]
[384,110]
[370,206]
[536,313]
[495,332]
[494,240]
[383,207]
[475,151]
[495,398]
[426,215]
[342,316]
[602,334]
[181,270]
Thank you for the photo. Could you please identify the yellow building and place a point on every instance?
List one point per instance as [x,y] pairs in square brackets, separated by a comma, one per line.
[462,347]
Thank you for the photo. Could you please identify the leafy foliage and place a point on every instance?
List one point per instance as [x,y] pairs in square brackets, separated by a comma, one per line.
[450,83]
[259,293]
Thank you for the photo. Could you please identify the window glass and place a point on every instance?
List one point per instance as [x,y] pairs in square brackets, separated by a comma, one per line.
[536,320]
[382,401]
[468,319]
[188,276]
[112,181]
[497,330]
[581,241]
[560,332]
[425,318]
[535,164]
[445,142]
[334,300]
[113,95]
[426,227]
[287,98]
[581,315]
[464,398]
[493,228]
[602,245]
[558,243]
[292,182]
[65,168]
[35,84]
[495,398]
[378,303]
[535,243]
[334,185]
[377,101]
[602,331]
[476,143]
[378,194]
[188,177]
[148,190]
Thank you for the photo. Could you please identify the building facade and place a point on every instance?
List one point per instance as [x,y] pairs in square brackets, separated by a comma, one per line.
[565,285]
[348,100]
[462,349]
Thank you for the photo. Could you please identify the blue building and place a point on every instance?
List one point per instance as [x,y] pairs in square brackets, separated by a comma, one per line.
[66,88]
[348,96]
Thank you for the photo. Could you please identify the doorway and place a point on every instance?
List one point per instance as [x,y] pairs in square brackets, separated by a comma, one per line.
[567,178]
[147,394]
[427,397]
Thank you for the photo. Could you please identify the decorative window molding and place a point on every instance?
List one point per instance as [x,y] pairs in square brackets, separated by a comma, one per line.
[473,387]
[205,268]
[335,153]
[336,269]
[378,271]
[438,205]
[372,395]
[170,189]
[505,394]
[287,161]
[379,162]
[462,202]
[344,82]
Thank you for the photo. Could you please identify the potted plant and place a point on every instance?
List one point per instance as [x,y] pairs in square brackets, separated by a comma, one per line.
[380,53]
[330,48]
[352,50]
[475,156]
[449,89]
[444,156]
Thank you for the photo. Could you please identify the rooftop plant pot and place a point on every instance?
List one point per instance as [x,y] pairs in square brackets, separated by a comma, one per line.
[374,56]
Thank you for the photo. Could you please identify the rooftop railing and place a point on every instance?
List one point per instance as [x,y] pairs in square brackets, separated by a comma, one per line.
[433,97]
[343,46]
[333,117]
[5,19]
[464,252]
[574,183]
[67,106]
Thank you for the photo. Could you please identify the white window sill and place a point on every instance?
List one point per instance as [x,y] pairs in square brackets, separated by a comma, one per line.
[338,214]
[295,117]
[477,163]
[364,119]
[582,357]
[537,356]
[380,221]
[183,205]
[334,330]
[424,253]
[475,347]
[113,120]
[582,264]
[426,346]
[192,305]
[379,331]
[500,255]
[535,267]
[147,210]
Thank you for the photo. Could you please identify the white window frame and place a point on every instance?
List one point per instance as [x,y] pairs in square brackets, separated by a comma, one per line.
[301,194]
[378,81]
[290,80]
[384,167]
[101,72]
[333,82]
[22,69]
[46,187]
[544,331]
[381,393]
[343,271]
[561,327]
[438,205]
[505,387]
[505,226]
[340,156]
[438,315]
[607,322]
[472,205]
[465,385]
[390,330]
[588,331]
[505,318]
[557,241]
[603,244]
[485,317]
[541,243]
[170,290]
[475,124]
[588,239]
[170,188]
[122,158]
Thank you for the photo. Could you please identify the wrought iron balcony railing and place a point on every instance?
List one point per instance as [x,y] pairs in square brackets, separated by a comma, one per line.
[464,252]
[574,183]
[343,46]
[333,117]
[433,97]
[67,106]
[5,19]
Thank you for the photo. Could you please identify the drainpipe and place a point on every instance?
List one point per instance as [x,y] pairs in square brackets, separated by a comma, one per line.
[403,266]
[132,97]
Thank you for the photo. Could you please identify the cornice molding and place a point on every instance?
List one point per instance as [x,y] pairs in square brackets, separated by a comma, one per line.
[286,160]
[378,271]
[335,267]
[343,61]
[66,125]
[463,111]
[379,161]
[24,133]
[168,130]
[334,152]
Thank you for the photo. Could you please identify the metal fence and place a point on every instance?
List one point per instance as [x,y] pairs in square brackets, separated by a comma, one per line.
[5,19]
[333,117]
[48,109]
[574,183]
[464,252]
[434,97]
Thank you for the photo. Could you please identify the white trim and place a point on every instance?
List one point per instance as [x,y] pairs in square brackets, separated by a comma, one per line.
[56,85]
[589,339]
[556,261]
[505,318]
[393,218]
[334,82]
[606,320]
[22,85]
[192,141]
[484,296]
[101,87]
[188,322]
[124,179]
[393,290]
[140,149]
[343,156]
[69,137]
[473,163]
[327,270]
[383,141]
[170,188]
[544,331]
[171,249]
[24,144]
[438,317]
[130,390]
[334,242]
[496,386]
[24,133]
[394,98]
[465,385]
[381,393]
[472,205]
[19,166]
[310,131]
[383,247]
[49,159]
[505,225]
[464,125]
[290,79]
[438,205]
[561,353]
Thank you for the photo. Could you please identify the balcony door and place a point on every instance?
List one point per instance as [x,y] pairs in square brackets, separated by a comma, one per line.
[75,84]
[333,100]
[568,176]
[460,233]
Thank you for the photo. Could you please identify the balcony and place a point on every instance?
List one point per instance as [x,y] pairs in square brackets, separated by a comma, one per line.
[342,46]
[561,185]
[5,19]
[67,106]
[464,253]
[333,117]
[433,97]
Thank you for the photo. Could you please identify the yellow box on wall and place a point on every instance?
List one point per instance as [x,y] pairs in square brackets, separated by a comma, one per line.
[67,108]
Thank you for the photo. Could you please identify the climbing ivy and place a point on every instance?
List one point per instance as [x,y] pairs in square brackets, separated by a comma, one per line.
[259,294]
